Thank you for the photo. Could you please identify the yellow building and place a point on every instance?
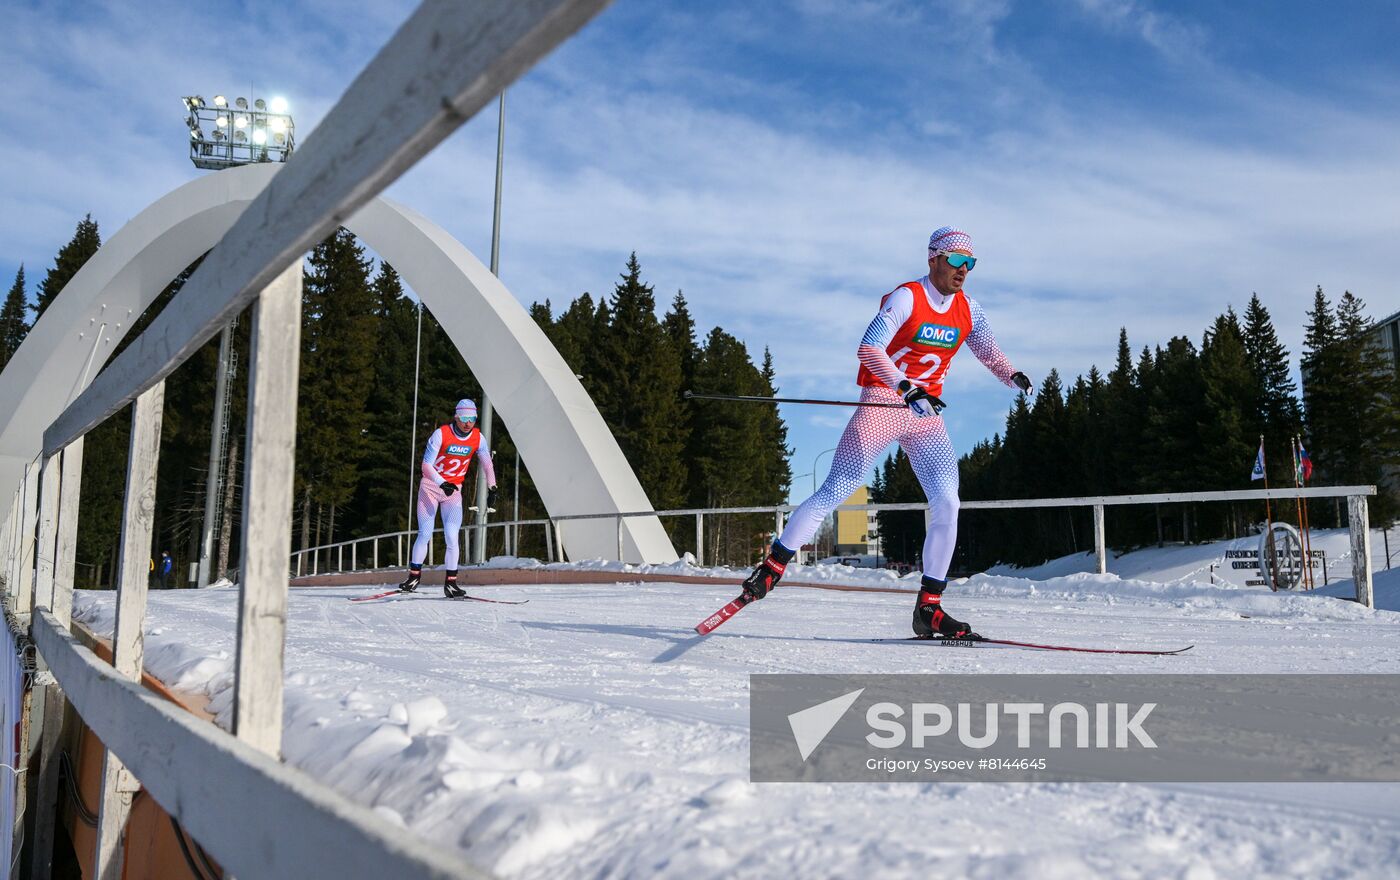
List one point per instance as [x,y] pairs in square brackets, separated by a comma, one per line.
[856,532]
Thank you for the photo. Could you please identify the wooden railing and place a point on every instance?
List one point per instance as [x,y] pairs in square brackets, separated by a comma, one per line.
[256,816]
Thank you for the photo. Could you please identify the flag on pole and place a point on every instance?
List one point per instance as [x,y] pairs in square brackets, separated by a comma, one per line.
[1304,465]
[1258,472]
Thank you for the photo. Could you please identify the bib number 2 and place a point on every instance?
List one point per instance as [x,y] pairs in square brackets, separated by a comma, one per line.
[933,360]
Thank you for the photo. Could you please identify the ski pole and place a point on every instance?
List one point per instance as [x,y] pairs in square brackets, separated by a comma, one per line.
[690,395]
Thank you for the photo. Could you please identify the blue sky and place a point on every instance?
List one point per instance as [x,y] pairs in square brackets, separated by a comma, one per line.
[1117,162]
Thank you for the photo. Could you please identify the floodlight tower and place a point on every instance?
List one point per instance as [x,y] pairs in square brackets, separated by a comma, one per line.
[222,136]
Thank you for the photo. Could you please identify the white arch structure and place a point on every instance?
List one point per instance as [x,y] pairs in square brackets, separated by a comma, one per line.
[573,457]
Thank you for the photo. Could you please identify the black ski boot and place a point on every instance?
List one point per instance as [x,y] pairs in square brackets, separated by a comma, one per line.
[766,576]
[450,588]
[411,584]
[929,617]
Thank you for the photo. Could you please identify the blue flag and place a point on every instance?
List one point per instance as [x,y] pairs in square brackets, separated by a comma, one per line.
[1258,472]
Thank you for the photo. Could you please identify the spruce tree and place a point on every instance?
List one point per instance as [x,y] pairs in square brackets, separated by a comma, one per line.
[901,531]
[1364,397]
[339,349]
[638,373]
[388,476]
[680,327]
[1323,401]
[13,326]
[1275,411]
[774,453]
[71,257]
[729,468]
[1224,423]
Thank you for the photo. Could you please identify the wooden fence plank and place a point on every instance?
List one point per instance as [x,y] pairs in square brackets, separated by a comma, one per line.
[267,513]
[128,642]
[256,816]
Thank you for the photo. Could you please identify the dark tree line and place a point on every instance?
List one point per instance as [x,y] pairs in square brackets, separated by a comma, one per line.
[1180,417]
[687,454]
[358,445]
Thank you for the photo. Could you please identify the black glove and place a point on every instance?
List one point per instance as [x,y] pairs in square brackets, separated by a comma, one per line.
[1022,381]
[490,496]
[920,401]
[447,489]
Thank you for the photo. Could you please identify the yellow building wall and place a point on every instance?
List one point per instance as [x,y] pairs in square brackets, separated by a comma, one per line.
[851,525]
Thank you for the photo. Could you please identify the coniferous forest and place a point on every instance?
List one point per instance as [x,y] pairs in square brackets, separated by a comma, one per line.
[358,445]
[1184,416]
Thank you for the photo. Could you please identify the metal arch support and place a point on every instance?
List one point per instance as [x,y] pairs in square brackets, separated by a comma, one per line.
[577,463]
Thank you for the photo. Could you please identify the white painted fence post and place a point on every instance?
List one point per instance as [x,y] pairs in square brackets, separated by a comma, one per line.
[549,541]
[268,477]
[699,539]
[1359,517]
[66,545]
[620,555]
[48,524]
[1100,547]
[128,643]
[23,585]
[60,602]
[559,541]
[7,540]
[42,702]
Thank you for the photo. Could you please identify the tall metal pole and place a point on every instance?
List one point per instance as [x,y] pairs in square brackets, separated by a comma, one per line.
[515,508]
[413,468]
[212,495]
[479,544]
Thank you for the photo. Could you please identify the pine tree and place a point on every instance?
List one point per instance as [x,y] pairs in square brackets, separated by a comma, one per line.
[638,372]
[1323,402]
[729,468]
[901,531]
[680,327]
[71,257]
[1275,413]
[388,475]
[776,475]
[13,326]
[1367,444]
[339,336]
[1174,404]
[1230,391]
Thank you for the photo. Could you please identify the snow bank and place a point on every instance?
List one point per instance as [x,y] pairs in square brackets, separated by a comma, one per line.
[590,733]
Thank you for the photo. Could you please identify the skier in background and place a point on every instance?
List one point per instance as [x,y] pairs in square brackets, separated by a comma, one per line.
[166,564]
[904,358]
[449,454]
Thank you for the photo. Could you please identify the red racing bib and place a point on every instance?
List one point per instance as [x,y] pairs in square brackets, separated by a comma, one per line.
[924,345]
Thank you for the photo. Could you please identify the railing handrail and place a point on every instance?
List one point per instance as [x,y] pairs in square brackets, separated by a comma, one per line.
[1012,503]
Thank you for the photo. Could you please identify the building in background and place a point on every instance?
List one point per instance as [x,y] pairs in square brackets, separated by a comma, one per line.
[856,533]
[1387,333]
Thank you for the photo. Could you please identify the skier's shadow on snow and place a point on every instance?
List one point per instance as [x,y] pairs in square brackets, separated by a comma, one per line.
[682,643]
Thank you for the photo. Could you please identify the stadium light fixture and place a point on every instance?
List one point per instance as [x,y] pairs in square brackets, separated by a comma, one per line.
[221,136]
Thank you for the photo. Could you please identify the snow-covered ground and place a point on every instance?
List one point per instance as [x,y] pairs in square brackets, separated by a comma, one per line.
[590,733]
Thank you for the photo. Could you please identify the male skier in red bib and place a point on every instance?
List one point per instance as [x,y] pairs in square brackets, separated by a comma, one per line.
[904,358]
[450,451]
